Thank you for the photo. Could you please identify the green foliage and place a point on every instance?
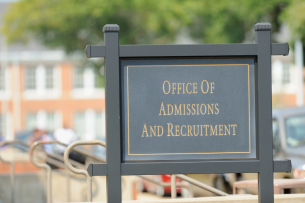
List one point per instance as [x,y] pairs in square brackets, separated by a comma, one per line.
[294,15]
[230,21]
[72,24]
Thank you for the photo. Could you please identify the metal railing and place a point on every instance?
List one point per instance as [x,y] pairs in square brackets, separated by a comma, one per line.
[53,159]
[12,165]
[81,171]
[197,183]
[57,163]
[173,177]
[44,166]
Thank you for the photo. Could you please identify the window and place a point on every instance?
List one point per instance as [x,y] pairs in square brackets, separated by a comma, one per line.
[286,74]
[49,78]
[30,121]
[50,125]
[99,125]
[2,80]
[295,131]
[79,124]
[30,78]
[78,78]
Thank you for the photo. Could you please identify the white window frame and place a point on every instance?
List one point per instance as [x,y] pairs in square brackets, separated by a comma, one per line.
[278,86]
[41,119]
[41,92]
[89,124]
[89,91]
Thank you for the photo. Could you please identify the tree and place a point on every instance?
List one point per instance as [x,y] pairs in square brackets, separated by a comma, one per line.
[294,16]
[72,24]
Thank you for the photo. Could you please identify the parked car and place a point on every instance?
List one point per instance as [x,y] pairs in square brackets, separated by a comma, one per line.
[289,135]
[288,127]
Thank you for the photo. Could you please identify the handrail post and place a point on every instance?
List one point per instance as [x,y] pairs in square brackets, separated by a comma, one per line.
[12,181]
[12,172]
[46,167]
[68,184]
[81,171]
[173,187]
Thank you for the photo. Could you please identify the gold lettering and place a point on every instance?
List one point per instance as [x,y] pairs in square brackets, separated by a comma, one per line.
[220,129]
[205,109]
[213,132]
[183,109]
[174,87]
[189,130]
[169,87]
[187,88]
[202,86]
[169,129]
[234,125]
[216,109]
[206,130]
[197,109]
[181,130]
[162,109]
[197,130]
[177,130]
[178,87]
[194,110]
[188,108]
[153,131]
[145,131]
[227,129]
[209,108]
[195,87]
[183,88]
[177,111]
[168,105]
[212,87]
[201,130]
[159,126]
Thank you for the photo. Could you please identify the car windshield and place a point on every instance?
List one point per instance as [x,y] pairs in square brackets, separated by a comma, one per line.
[295,130]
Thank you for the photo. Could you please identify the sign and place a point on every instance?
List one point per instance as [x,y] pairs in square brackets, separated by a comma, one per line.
[188,109]
[172,110]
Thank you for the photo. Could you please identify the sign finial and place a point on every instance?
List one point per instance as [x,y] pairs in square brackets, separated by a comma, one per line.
[262,26]
[111,28]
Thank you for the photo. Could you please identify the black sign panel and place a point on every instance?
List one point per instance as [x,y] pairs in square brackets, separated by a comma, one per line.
[188,109]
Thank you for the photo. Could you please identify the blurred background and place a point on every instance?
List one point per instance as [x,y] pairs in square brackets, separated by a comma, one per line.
[49,90]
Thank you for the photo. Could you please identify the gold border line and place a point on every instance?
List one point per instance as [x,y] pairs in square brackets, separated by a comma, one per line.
[191,152]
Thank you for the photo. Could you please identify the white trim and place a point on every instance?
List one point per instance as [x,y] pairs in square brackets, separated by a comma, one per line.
[89,125]
[278,86]
[83,94]
[58,119]
[9,132]
[7,92]
[41,119]
[57,55]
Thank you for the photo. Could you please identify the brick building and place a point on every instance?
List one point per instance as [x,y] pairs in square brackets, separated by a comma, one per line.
[47,89]
[44,90]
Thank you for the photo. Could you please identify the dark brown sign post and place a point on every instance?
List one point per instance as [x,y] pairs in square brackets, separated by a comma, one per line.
[188,109]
